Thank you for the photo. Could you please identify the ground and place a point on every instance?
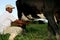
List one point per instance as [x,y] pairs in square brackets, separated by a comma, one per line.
[34,32]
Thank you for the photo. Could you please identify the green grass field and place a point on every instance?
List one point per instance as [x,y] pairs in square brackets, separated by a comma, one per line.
[34,32]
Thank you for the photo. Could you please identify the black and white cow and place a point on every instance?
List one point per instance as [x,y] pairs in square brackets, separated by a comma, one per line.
[35,6]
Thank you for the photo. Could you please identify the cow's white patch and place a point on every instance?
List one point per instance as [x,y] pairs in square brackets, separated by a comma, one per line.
[41,16]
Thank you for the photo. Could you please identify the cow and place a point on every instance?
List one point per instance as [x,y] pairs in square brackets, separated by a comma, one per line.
[48,7]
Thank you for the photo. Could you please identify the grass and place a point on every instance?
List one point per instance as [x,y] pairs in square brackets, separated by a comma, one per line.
[34,32]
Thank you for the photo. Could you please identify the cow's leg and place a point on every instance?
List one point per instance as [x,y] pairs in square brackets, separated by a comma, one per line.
[54,27]
[19,9]
[52,24]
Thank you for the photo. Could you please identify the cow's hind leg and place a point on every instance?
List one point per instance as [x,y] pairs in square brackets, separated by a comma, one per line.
[54,27]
